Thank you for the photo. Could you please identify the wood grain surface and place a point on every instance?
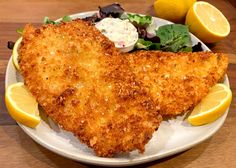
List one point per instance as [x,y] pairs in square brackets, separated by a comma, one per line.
[19,150]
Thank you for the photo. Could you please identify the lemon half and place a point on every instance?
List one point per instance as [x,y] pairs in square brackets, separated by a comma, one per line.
[207,22]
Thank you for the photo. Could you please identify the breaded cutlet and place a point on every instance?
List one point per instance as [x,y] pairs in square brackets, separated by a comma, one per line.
[84,85]
[111,101]
[177,81]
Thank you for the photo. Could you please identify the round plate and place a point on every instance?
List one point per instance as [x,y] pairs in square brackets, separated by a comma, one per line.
[173,136]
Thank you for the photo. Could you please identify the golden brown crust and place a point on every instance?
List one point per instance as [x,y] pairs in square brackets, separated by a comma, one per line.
[111,101]
[178,81]
[80,80]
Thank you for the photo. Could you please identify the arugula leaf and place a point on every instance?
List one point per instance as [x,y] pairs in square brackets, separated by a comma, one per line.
[20,30]
[174,37]
[147,45]
[140,20]
[46,20]
[66,18]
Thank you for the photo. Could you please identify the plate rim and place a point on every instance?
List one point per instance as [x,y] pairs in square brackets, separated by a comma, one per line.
[105,161]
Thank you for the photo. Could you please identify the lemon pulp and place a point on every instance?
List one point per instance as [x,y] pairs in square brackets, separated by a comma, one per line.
[207,22]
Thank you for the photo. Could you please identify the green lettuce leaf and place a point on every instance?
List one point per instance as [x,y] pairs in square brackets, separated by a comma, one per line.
[46,20]
[147,45]
[174,38]
[20,30]
[66,18]
[140,20]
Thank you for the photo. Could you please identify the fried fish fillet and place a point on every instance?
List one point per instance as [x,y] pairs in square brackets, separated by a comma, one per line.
[177,81]
[112,102]
[85,85]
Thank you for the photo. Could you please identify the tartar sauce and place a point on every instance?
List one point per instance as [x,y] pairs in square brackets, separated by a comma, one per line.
[121,32]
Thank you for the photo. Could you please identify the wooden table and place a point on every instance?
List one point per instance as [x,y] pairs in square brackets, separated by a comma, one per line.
[18,150]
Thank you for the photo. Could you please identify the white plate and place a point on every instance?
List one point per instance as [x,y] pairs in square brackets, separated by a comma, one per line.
[172,137]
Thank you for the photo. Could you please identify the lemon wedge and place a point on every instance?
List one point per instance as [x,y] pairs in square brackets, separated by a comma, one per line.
[21,105]
[15,54]
[212,106]
[207,22]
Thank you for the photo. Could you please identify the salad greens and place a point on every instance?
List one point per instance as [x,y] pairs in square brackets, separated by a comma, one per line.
[147,45]
[140,20]
[46,20]
[173,37]
[197,47]
[20,31]
[66,18]
[113,10]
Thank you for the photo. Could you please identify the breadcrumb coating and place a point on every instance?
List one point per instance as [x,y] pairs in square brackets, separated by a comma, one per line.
[83,84]
[177,81]
[112,102]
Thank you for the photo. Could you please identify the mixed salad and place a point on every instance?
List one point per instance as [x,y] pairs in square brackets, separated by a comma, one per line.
[170,37]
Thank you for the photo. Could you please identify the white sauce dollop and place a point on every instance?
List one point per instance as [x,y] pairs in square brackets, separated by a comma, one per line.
[121,32]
